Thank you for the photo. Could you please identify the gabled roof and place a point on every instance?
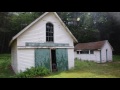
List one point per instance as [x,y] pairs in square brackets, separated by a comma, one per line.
[39,18]
[91,45]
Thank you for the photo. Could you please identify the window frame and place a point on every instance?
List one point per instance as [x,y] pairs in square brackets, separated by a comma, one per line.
[49,32]
[84,52]
[78,52]
[92,51]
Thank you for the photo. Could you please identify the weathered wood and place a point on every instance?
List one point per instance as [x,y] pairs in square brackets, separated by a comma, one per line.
[32,44]
[42,58]
[62,59]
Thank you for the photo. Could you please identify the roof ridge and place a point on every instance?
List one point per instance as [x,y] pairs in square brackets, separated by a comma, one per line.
[39,18]
[90,45]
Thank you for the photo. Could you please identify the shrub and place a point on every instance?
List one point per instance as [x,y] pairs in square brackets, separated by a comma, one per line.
[33,72]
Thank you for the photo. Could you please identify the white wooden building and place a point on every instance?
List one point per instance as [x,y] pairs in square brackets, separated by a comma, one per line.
[100,51]
[45,42]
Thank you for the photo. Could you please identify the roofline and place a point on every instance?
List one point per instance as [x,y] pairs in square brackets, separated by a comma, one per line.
[66,27]
[27,27]
[23,30]
[101,47]
[109,44]
[103,44]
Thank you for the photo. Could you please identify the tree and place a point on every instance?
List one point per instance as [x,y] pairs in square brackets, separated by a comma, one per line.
[85,26]
[4,32]
[84,30]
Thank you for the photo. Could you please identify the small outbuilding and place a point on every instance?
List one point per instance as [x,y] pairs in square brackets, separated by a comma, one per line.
[45,42]
[100,51]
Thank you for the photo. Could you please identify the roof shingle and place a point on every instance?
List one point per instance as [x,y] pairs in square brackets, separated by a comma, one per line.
[90,45]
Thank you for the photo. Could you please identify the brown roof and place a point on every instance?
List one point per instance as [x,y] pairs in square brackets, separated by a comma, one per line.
[90,45]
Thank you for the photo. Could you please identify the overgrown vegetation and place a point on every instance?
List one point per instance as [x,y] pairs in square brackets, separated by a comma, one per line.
[33,72]
[80,65]
[88,69]
[7,72]
[5,66]
[116,58]
[83,69]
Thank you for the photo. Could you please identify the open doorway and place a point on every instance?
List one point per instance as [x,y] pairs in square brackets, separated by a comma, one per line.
[53,60]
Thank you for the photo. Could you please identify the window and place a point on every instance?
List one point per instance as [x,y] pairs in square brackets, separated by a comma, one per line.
[49,32]
[91,52]
[77,52]
[84,52]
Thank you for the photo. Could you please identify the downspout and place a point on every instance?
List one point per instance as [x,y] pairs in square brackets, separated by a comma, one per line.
[100,57]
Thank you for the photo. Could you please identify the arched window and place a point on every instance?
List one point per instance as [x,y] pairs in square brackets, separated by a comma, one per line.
[49,32]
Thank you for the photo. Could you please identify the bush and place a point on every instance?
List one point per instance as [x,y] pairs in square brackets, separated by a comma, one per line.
[33,72]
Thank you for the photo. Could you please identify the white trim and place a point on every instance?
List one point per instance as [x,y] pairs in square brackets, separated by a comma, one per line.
[50,61]
[26,28]
[42,47]
[22,31]
[66,28]
[110,45]
[106,41]
[103,44]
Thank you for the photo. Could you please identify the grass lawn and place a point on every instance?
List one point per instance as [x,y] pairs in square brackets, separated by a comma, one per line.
[83,69]
[86,69]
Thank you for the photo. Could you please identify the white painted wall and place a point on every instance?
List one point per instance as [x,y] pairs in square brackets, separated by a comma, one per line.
[25,59]
[96,56]
[109,52]
[37,33]
[14,56]
[70,58]
[90,57]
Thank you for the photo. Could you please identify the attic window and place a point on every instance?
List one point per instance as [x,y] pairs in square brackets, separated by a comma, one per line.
[49,32]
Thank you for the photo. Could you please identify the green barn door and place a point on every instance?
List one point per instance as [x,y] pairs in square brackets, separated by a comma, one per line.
[62,59]
[42,58]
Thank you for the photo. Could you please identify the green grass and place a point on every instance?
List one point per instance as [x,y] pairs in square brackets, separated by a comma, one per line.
[86,69]
[116,57]
[5,68]
[83,69]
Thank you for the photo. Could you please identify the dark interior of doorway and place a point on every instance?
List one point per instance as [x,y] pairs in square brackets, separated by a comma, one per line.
[53,58]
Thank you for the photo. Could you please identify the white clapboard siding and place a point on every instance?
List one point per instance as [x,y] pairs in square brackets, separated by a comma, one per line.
[32,35]
[90,57]
[25,59]
[109,52]
[70,58]
[37,33]
[97,56]
[14,56]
